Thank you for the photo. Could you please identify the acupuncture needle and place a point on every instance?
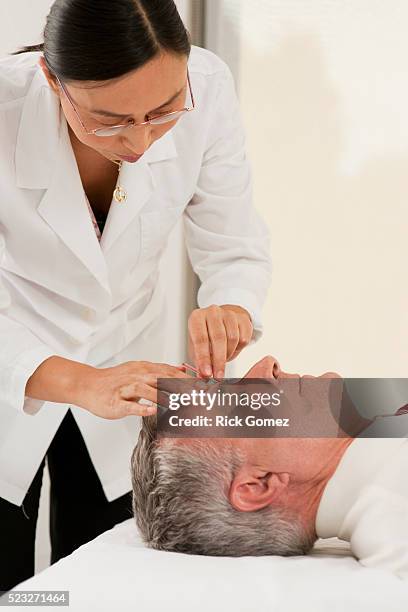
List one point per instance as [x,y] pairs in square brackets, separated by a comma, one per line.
[193,369]
[184,365]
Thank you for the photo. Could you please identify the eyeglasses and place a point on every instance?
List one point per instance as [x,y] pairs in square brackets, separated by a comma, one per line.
[114,130]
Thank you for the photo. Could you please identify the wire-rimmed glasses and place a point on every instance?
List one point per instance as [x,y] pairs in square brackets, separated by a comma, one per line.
[114,130]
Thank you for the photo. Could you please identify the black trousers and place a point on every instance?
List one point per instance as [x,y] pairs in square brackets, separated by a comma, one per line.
[79,510]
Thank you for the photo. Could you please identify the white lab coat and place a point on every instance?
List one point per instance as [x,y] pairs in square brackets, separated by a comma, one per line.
[62,293]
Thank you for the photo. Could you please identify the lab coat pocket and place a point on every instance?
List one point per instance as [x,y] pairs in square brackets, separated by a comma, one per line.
[155,230]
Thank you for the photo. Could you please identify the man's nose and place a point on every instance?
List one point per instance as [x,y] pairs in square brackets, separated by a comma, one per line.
[283,374]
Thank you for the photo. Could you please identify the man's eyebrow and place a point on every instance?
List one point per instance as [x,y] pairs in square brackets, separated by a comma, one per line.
[120,116]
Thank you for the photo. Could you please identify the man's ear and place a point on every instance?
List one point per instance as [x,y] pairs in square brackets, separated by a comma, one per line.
[50,78]
[253,489]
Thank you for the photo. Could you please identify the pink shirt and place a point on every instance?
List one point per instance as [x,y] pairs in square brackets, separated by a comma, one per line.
[95,224]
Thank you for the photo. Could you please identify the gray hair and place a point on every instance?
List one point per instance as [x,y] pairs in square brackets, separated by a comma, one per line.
[180,502]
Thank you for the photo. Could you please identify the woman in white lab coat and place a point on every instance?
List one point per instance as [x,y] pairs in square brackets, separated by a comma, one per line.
[111,131]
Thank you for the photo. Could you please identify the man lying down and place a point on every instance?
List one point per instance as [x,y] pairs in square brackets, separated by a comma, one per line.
[269,496]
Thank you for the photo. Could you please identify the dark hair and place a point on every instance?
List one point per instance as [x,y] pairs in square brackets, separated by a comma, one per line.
[97,40]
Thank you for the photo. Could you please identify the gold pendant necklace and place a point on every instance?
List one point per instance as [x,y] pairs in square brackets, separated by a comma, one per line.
[119,195]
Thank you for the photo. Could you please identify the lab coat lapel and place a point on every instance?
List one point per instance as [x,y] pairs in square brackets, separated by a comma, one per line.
[45,160]
[38,135]
[138,180]
[138,183]
[65,209]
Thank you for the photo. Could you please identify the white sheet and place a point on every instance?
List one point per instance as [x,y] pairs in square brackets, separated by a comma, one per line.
[117,572]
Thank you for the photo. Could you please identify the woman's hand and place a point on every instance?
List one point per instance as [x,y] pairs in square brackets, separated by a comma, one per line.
[115,392]
[218,334]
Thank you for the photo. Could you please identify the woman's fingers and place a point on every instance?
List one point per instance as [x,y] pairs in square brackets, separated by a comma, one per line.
[200,342]
[121,390]
[217,334]
[245,334]
[163,370]
[131,396]
[231,323]
[137,390]
[128,408]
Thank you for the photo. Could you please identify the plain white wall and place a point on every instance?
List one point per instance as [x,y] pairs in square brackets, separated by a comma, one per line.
[22,23]
[324,94]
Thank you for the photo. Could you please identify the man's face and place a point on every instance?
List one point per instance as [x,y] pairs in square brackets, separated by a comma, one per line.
[275,465]
[311,403]
[245,496]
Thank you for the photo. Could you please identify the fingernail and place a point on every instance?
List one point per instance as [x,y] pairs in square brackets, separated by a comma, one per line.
[220,374]
[207,370]
[151,410]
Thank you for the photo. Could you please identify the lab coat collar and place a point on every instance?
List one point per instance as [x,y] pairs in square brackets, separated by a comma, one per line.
[38,135]
[44,159]
[39,132]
